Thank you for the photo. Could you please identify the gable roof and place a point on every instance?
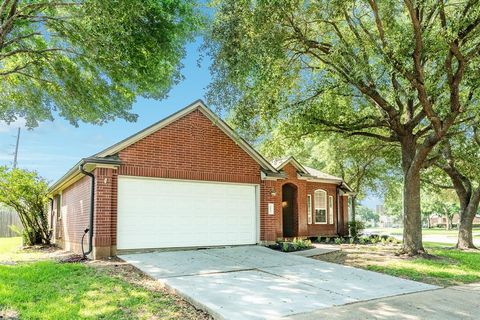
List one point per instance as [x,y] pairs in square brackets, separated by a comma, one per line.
[282,162]
[104,157]
[197,105]
[303,170]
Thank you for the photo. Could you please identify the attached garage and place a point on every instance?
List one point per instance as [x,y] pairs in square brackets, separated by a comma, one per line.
[166,213]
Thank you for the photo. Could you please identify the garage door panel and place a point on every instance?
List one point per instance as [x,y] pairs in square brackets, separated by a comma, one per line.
[155,213]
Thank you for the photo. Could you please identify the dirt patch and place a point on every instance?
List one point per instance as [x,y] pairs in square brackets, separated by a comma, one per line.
[363,256]
[117,268]
[9,314]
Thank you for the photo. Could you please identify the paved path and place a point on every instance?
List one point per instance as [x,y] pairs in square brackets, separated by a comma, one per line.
[460,302]
[253,282]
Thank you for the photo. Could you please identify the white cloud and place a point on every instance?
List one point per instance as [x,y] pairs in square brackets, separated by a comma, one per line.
[4,127]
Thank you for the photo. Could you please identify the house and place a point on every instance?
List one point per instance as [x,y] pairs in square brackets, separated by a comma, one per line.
[190,181]
[439,221]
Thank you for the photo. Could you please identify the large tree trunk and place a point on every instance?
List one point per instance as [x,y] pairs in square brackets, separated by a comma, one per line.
[412,216]
[465,226]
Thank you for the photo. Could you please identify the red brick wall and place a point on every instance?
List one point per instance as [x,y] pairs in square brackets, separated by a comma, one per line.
[190,148]
[323,229]
[105,206]
[303,188]
[74,219]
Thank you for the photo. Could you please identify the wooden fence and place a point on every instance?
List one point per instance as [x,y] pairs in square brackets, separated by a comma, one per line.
[7,218]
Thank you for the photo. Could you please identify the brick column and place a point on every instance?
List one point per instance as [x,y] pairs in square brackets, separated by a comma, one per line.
[104,235]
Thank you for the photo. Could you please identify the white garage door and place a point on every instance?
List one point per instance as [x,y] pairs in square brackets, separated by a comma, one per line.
[157,213]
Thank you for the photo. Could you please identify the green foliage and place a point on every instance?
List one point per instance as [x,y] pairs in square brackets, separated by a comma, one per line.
[285,247]
[338,240]
[26,192]
[327,240]
[404,73]
[355,228]
[88,60]
[363,240]
[366,214]
[361,163]
[302,243]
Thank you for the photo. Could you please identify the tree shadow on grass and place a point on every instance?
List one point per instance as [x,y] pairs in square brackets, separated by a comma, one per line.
[49,290]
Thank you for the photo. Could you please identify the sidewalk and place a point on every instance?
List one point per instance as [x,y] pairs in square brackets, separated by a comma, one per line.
[459,302]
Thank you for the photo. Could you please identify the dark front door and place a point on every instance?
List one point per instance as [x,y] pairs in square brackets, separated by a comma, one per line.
[289,202]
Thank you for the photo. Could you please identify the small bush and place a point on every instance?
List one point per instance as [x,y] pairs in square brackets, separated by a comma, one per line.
[351,240]
[301,244]
[355,228]
[319,239]
[363,240]
[339,240]
[285,247]
[375,240]
[327,240]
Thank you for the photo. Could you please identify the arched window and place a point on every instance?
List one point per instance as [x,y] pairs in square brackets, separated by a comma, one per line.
[320,203]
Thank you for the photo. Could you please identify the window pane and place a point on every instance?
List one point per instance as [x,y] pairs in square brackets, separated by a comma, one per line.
[320,215]
[309,209]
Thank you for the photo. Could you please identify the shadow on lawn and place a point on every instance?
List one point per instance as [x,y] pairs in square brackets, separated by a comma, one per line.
[49,290]
[443,266]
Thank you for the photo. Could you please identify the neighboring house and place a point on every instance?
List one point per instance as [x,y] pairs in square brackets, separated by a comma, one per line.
[191,181]
[441,221]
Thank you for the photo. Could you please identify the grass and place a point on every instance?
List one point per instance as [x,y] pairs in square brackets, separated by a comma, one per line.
[425,232]
[47,289]
[443,266]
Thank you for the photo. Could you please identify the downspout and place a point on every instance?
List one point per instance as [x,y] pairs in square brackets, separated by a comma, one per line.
[338,210]
[51,216]
[89,230]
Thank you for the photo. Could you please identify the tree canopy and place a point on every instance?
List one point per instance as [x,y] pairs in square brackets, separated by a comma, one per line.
[88,60]
[26,193]
[401,72]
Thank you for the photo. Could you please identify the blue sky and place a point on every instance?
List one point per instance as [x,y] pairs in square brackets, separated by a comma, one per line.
[54,147]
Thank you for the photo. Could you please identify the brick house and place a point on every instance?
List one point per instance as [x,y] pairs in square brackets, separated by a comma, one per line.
[190,181]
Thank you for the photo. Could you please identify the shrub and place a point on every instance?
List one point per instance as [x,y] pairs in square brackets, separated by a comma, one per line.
[26,192]
[363,240]
[339,240]
[355,228]
[327,240]
[375,240]
[301,244]
[351,240]
[285,247]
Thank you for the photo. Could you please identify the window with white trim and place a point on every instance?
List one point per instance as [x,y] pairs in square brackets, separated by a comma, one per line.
[309,208]
[330,209]
[320,202]
[59,206]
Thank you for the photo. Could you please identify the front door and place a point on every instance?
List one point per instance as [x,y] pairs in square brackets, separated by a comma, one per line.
[289,208]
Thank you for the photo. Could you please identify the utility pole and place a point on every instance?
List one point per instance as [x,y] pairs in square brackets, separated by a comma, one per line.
[16,150]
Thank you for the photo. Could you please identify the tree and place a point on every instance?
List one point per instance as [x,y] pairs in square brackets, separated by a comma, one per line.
[402,73]
[88,60]
[441,203]
[367,215]
[361,163]
[26,192]
[458,160]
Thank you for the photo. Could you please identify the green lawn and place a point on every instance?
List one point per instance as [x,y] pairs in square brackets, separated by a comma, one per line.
[47,289]
[425,232]
[443,266]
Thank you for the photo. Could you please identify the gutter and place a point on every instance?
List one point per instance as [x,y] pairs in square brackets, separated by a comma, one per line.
[89,230]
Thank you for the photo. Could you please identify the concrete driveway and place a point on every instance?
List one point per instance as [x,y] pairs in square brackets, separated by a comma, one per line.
[254,282]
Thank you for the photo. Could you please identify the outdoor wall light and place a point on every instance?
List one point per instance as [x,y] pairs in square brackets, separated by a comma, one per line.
[273,192]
